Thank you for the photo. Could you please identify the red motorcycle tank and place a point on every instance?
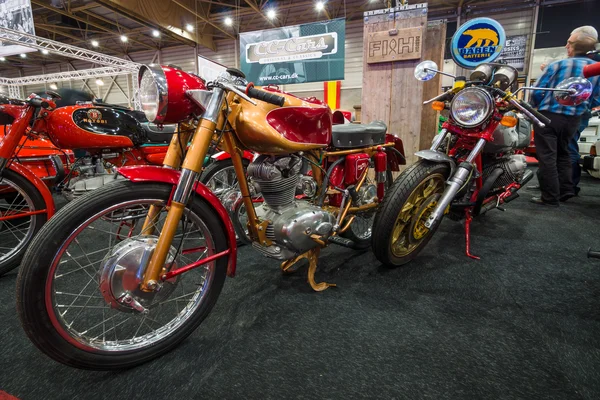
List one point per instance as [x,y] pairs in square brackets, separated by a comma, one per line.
[92,127]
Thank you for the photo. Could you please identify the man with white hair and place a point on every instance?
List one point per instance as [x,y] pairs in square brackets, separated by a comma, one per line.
[552,141]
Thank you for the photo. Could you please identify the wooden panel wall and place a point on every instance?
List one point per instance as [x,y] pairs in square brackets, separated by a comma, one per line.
[390,92]
[435,33]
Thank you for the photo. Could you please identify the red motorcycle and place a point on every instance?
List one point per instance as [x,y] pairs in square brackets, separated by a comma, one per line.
[33,159]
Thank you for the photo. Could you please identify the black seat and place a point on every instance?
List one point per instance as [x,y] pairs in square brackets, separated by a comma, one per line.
[156,134]
[348,136]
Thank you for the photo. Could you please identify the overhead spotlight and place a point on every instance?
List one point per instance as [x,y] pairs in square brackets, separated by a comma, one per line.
[228,21]
[156,33]
[124,39]
[2,58]
[53,86]
[189,28]
[99,82]
[271,13]
[23,55]
[45,52]
[95,43]
[319,6]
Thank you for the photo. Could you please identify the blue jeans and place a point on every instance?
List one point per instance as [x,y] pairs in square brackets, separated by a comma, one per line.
[574,153]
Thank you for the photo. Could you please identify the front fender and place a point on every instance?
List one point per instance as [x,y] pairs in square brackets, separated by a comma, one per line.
[394,158]
[38,183]
[437,156]
[149,173]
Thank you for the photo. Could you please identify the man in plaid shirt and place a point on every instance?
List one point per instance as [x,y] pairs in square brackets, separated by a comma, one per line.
[552,141]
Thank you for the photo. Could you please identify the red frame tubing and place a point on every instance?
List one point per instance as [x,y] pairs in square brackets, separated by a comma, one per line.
[223,155]
[39,185]
[149,173]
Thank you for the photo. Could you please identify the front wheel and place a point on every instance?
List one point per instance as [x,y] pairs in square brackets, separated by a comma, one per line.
[78,290]
[399,231]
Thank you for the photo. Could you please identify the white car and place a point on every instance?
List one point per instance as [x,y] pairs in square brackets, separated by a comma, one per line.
[589,145]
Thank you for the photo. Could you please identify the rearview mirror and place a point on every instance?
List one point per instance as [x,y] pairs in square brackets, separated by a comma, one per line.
[573,91]
[426,70]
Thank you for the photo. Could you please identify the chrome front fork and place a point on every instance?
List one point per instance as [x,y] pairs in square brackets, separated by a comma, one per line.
[454,184]
[437,141]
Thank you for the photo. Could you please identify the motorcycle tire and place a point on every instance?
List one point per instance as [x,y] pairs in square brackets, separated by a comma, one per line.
[32,196]
[214,168]
[385,227]
[36,281]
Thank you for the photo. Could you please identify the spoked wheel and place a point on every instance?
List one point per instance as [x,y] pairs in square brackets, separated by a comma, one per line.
[221,179]
[78,292]
[18,200]
[399,232]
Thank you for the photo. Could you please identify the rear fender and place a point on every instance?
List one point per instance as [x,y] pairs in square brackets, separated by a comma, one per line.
[148,173]
[438,157]
[394,158]
[38,183]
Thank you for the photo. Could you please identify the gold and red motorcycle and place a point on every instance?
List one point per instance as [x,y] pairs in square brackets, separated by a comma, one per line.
[124,274]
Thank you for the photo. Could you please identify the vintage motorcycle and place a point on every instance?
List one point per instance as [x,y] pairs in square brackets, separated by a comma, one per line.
[473,165]
[122,275]
[73,149]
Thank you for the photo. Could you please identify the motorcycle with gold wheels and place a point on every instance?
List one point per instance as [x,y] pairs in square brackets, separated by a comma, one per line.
[123,275]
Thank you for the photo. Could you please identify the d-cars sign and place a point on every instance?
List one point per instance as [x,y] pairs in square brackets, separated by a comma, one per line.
[477,41]
[294,54]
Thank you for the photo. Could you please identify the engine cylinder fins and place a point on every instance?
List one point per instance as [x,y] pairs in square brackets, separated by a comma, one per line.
[278,193]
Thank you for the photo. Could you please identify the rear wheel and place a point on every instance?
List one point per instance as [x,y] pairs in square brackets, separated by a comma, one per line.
[78,291]
[18,198]
[399,232]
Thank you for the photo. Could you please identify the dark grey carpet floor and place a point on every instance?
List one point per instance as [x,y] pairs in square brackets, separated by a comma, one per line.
[521,323]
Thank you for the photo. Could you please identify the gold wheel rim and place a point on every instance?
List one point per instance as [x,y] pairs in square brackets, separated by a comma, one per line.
[409,229]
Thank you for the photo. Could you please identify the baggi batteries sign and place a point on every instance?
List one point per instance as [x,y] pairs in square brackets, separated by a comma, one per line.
[294,54]
[477,41]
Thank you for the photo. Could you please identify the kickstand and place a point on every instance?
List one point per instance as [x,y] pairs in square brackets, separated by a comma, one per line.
[468,235]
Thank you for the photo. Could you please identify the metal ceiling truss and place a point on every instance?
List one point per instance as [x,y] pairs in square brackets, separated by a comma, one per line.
[64,76]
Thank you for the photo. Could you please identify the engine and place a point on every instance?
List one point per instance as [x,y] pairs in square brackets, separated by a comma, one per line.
[92,174]
[513,167]
[292,221]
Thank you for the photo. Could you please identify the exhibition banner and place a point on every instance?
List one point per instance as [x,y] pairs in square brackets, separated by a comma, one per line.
[16,15]
[294,54]
[514,52]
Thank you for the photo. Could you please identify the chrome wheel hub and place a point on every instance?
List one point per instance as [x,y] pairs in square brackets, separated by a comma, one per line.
[122,272]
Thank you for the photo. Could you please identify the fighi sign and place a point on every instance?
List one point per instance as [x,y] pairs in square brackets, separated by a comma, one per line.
[293,49]
[394,45]
[480,40]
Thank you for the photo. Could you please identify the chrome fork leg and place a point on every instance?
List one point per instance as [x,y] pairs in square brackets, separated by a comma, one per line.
[453,185]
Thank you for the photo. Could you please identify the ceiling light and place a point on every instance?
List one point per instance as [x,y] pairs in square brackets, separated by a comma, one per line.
[189,28]
[271,13]
[156,33]
[2,58]
[124,39]
[228,21]
[95,43]
[319,6]
[45,52]
[23,55]
[99,82]
[53,86]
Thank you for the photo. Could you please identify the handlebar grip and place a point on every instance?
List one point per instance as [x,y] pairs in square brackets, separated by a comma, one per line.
[265,96]
[591,70]
[38,102]
[535,112]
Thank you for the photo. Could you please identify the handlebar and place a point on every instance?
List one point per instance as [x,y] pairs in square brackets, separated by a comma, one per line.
[265,96]
[39,102]
[535,112]
[591,70]
[525,108]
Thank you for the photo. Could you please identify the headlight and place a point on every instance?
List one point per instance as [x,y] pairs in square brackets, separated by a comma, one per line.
[470,107]
[165,94]
[153,93]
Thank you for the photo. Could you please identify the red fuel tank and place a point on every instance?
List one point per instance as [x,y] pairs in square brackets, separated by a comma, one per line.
[91,127]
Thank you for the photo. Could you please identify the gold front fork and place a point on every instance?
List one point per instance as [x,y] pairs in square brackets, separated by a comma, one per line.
[191,168]
[172,160]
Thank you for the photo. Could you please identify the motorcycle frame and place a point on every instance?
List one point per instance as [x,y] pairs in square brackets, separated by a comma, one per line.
[22,114]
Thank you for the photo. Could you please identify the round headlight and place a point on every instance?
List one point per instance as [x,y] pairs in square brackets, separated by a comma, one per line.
[153,93]
[471,106]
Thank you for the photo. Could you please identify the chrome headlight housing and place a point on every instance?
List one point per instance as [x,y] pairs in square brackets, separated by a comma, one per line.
[471,107]
[153,93]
